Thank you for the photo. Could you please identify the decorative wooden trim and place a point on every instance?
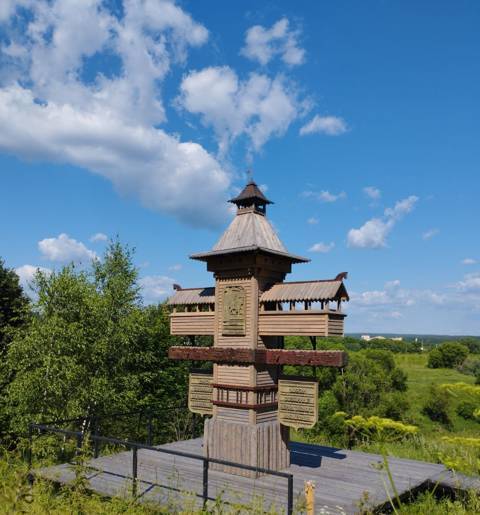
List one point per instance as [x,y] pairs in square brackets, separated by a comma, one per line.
[245,406]
[325,358]
[270,388]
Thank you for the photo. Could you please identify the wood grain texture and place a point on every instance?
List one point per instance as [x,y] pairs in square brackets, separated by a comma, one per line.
[342,477]
[324,358]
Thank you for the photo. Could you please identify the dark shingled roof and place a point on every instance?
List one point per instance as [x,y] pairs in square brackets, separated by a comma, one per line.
[250,192]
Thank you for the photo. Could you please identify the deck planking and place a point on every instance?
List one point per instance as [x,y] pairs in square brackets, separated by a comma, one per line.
[342,478]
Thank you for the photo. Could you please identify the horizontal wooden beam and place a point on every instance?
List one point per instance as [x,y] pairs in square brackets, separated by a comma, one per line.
[320,358]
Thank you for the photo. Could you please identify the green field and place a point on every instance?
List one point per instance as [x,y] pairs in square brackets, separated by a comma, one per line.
[420,378]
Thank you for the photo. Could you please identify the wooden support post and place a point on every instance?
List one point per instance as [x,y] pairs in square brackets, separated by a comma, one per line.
[313,339]
[310,497]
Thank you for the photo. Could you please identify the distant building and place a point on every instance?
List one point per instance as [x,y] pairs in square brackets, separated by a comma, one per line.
[367,338]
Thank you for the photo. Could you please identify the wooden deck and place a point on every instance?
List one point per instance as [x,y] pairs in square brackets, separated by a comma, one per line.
[342,478]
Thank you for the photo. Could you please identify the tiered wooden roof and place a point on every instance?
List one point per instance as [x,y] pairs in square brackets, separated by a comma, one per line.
[312,291]
[191,296]
[250,230]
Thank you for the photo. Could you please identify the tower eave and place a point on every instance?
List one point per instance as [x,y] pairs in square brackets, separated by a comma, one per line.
[205,256]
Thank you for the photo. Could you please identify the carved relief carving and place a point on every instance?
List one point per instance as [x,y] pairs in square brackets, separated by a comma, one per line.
[233,323]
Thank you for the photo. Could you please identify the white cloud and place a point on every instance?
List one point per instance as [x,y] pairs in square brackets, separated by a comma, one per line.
[393,296]
[176,267]
[262,44]
[324,195]
[469,261]
[329,125]
[374,232]
[470,283]
[258,107]
[372,192]
[312,220]
[64,249]
[427,235]
[26,273]
[108,125]
[322,247]
[99,236]
[156,288]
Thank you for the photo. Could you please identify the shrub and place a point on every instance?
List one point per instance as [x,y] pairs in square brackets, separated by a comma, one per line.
[447,355]
[466,409]
[377,428]
[470,366]
[399,380]
[435,359]
[382,357]
[393,405]
[437,406]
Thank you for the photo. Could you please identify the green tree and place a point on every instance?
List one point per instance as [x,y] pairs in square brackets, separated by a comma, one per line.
[91,347]
[13,306]
[13,315]
[447,355]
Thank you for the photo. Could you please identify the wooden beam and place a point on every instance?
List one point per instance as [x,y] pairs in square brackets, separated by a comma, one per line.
[322,358]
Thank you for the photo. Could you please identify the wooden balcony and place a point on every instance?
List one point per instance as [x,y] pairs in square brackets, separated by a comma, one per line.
[192,323]
[301,323]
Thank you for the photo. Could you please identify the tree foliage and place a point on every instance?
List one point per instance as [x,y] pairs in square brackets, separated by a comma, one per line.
[13,305]
[447,355]
[91,347]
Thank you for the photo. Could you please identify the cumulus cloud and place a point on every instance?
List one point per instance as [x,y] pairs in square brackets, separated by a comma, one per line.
[324,195]
[322,247]
[263,44]
[394,296]
[470,283]
[374,232]
[329,125]
[372,192]
[64,249]
[428,235]
[258,107]
[99,236]
[156,288]
[55,105]
[26,273]
[469,261]
[312,220]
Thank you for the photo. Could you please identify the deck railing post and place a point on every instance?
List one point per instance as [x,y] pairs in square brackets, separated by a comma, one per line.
[149,429]
[30,446]
[96,442]
[134,470]
[290,495]
[205,482]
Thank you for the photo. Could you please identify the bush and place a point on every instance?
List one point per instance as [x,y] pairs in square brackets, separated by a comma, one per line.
[437,406]
[382,357]
[466,409]
[470,366]
[393,405]
[435,359]
[366,382]
[447,355]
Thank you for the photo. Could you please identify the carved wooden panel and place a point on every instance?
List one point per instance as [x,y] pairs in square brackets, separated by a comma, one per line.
[298,402]
[200,393]
[233,323]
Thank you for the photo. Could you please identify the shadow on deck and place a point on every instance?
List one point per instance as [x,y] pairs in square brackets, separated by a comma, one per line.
[343,478]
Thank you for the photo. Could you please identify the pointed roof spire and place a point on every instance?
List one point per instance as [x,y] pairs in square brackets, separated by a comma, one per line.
[250,195]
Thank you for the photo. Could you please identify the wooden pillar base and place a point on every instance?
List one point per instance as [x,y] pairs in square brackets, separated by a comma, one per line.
[258,445]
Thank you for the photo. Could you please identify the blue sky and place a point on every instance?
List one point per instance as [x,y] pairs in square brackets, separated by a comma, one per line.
[360,119]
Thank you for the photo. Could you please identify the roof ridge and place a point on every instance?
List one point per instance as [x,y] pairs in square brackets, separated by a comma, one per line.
[314,281]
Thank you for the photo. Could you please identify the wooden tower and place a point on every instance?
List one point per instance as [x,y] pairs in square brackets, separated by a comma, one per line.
[245,312]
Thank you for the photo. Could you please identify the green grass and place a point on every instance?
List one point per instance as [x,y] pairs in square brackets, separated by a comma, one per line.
[420,378]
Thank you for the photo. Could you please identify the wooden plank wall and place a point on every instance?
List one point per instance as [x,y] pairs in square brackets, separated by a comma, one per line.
[202,323]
